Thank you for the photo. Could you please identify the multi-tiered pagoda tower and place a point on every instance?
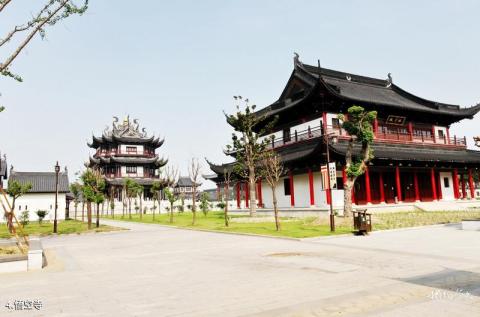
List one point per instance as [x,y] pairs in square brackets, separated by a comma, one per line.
[124,151]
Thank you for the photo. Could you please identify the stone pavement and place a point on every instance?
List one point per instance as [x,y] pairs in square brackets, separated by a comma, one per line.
[152,270]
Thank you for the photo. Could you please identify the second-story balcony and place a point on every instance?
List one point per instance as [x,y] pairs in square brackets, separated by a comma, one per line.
[415,137]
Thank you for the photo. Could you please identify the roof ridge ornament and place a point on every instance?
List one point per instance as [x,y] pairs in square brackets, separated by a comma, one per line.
[349,78]
[296,60]
[389,80]
[477,141]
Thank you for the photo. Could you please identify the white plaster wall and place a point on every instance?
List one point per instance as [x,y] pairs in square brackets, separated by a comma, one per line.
[438,128]
[301,190]
[282,200]
[40,201]
[447,193]
[320,198]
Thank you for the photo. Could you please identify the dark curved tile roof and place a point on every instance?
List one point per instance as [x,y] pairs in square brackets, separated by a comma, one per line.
[42,182]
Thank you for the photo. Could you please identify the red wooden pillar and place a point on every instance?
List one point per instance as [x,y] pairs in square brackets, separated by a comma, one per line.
[434,185]
[259,193]
[464,188]
[238,194]
[471,184]
[415,185]
[410,130]
[310,186]
[247,194]
[375,125]
[456,191]
[398,183]
[433,134]
[382,189]
[292,190]
[367,185]
[448,136]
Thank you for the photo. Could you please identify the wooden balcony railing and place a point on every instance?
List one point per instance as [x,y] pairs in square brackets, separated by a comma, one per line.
[385,137]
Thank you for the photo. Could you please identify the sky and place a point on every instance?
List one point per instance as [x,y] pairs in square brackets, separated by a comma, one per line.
[175,66]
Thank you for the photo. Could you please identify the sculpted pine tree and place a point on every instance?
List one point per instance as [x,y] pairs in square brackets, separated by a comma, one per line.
[359,125]
[248,145]
[49,13]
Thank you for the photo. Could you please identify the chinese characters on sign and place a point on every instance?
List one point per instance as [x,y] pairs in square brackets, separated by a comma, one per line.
[332,173]
[24,304]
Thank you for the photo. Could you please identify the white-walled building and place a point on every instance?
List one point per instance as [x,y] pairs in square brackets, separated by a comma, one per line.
[415,157]
[42,194]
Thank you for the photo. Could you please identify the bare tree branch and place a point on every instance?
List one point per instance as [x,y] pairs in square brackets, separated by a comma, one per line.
[10,59]
[3,4]
[29,24]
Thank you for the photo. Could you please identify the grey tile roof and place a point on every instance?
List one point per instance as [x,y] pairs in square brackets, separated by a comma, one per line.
[42,182]
[414,153]
[185,181]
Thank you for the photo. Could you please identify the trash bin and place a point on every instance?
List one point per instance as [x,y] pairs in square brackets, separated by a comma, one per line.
[362,221]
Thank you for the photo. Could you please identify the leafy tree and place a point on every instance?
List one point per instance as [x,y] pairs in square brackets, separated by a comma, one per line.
[76,189]
[93,192]
[227,176]
[131,191]
[359,125]
[49,13]
[182,202]
[15,190]
[25,218]
[273,170]
[41,214]
[112,207]
[248,145]
[194,171]
[172,198]
[204,205]
[155,190]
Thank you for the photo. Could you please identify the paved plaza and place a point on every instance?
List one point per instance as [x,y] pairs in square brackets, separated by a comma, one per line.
[152,270]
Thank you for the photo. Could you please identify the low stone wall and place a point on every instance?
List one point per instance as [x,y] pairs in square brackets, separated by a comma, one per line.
[33,260]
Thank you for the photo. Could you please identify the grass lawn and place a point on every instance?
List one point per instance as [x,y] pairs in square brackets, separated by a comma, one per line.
[295,228]
[419,218]
[64,227]
[306,227]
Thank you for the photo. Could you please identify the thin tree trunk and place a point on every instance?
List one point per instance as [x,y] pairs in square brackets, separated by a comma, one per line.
[275,209]
[226,206]
[83,211]
[141,206]
[171,212]
[76,207]
[129,208]
[89,214]
[154,207]
[194,200]
[347,198]
[97,224]
[253,199]
[194,217]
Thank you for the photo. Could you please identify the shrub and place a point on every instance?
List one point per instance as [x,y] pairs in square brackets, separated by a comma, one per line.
[204,205]
[24,218]
[41,214]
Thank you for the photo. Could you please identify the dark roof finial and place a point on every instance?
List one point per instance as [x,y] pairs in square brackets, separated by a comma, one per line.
[389,80]
[296,59]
